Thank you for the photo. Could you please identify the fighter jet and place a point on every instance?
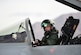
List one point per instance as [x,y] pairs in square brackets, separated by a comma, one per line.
[21,47]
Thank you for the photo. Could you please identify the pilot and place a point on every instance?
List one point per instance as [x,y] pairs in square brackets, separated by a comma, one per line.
[50,34]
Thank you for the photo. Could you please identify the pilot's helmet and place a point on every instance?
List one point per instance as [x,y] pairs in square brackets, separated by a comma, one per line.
[46,22]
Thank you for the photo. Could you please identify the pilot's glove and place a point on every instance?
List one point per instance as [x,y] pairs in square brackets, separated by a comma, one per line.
[36,43]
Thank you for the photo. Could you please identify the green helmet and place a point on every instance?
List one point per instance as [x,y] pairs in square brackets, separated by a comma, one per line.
[45,23]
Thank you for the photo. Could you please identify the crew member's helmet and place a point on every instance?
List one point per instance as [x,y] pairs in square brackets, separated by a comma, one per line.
[46,22]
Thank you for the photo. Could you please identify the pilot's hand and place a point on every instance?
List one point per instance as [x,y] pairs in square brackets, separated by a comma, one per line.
[36,43]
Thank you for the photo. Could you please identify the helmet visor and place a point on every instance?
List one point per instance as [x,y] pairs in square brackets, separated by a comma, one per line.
[44,24]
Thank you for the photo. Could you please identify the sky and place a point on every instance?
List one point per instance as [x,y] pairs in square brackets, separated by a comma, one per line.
[12,11]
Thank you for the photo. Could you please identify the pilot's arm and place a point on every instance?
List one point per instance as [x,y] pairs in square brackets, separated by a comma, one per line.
[50,39]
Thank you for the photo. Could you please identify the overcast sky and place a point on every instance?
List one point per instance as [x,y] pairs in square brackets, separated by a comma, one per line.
[11,11]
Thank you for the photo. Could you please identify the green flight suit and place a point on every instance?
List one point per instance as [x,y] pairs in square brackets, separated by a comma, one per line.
[50,38]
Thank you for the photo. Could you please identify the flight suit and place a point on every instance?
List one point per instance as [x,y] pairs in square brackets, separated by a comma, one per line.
[50,38]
